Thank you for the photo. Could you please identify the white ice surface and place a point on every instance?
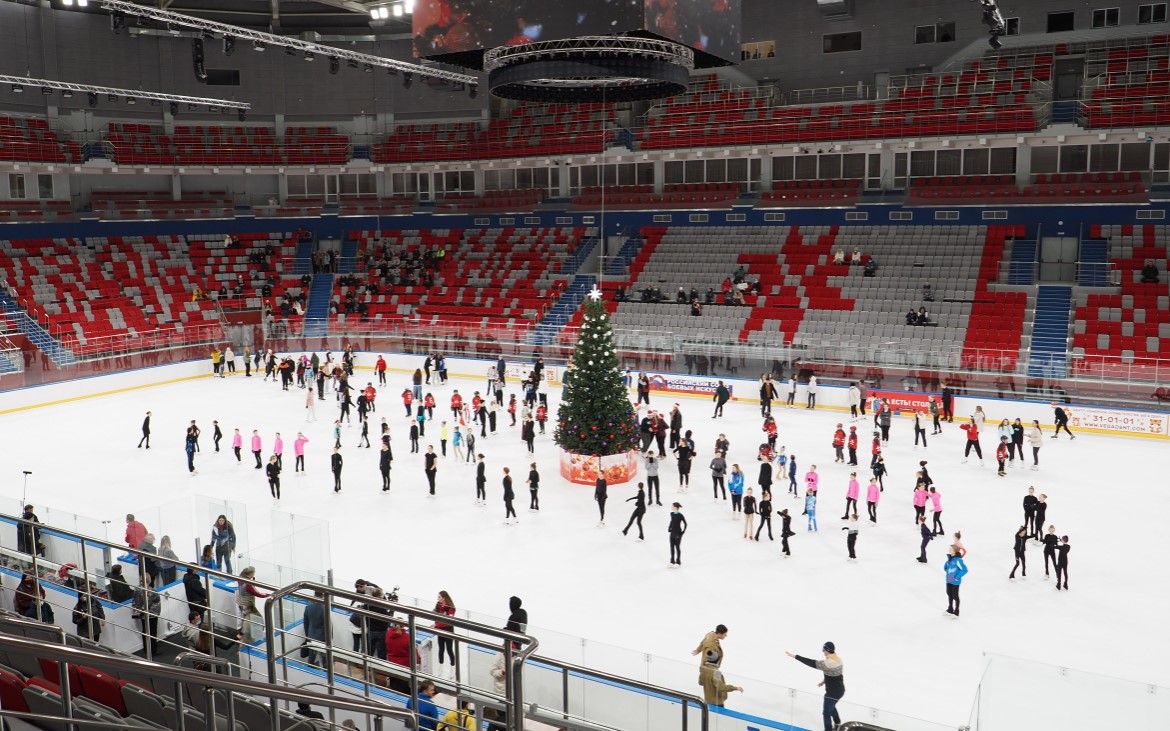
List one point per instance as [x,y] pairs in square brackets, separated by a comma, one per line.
[884,612]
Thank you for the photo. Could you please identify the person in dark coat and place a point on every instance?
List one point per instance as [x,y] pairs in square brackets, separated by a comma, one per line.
[196,591]
[601,494]
[28,537]
[88,615]
[145,432]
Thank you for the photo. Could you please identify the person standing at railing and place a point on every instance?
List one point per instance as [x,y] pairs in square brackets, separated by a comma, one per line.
[710,652]
[833,682]
[223,537]
[145,432]
[251,621]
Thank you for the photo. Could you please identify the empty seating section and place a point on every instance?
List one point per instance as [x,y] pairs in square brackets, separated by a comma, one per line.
[488,277]
[974,101]
[373,205]
[1129,86]
[822,193]
[675,195]
[126,205]
[546,129]
[995,325]
[140,144]
[1047,189]
[35,211]
[423,142]
[492,201]
[104,287]
[29,139]
[1134,323]
[257,259]
[315,146]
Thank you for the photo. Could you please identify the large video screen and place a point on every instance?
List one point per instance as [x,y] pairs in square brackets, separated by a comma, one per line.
[705,25]
[444,27]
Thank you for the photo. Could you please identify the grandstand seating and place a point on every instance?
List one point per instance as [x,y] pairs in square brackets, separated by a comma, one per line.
[124,205]
[1134,323]
[315,146]
[218,266]
[143,144]
[103,287]
[425,142]
[546,129]
[492,201]
[811,193]
[488,277]
[677,195]
[35,210]
[995,325]
[1129,85]
[373,205]
[29,139]
[1048,188]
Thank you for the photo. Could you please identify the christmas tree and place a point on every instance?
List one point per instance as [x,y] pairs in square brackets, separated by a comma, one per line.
[595,415]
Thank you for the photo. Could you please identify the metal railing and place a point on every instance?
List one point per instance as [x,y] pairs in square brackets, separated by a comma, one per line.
[829,94]
[163,338]
[67,656]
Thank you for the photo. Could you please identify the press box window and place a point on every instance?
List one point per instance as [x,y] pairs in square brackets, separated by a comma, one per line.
[1154,13]
[842,42]
[1106,17]
[1061,22]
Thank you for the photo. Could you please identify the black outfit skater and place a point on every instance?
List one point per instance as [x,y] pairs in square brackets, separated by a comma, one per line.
[1019,548]
[785,531]
[145,432]
[336,464]
[1051,541]
[365,437]
[1062,564]
[601,494]
[948,402]
[431,466]
[217,436]
[534,490]
[765,511]
[1062,423]
[480,481]
[927,537]
[677,528]
[509,496]
[414,438]
[639,501]
[683,454]
[1041,512]
[851,539]
[384,460]
[273,472]
[1030,502]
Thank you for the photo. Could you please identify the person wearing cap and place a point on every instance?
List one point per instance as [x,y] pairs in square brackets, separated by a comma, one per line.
[710,652]
[955,569]
[676,529]
[1062,562]
[851,445]
[839,443]
[833,682]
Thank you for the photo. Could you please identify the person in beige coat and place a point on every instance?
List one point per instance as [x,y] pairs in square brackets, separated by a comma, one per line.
[710,651]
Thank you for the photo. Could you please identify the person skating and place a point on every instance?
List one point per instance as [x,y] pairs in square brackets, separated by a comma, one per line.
[765,478]
[1062,563]
[145,432]
[1041,516]
[812,481]
[851,494]
[710,652]
[676,530]
[1061,420]
[932,405]
[735,486]
[407,401]
[1030,501]
[948,403]
[653,488]
[854,400]
[812,392]
[533,488]
[792,487]
[1035,441]
[834,682]
[195,432]
[600,495]
[884,420]
[257,447]
[810,509]
[676,425]
[684,454]
[660,429]
[785,531]
[278,450]
[770,429]
[839,444]
[936,506]
[509,495]
[639,501]
[851,538]
[872,496]
[1001,455]
[879,471]
[480,481]
[851,445]
[749,513]
[718,471]
[919,499]
[528,434]
[1019,549]
[919,429]
[765,510]
[1051,541]
[954,569]
[972,430]
[273,472]
[1017,441]
[767,394]
[431,467]
[721,397]
[335,464]
[385,457]
[189,446]
[927,537]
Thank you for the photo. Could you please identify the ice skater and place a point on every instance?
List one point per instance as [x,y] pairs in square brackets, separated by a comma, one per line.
[216,434]
[954,569]
[509,495]
[653,488]
[919,429]
[851,538]
[919,499]
[190,449]
[972,429]
[1036,441]
[600,495]
[310,406]
[851,494]
[785,531]
[735,486]
[765,511]
[810,509]
[533,488]
[273,472]
[480,481]
[237,445]
[385,457]
[335,464]
[927,537]
[676,530]
[721,397]
[1002,453]
[839,444]
[718,471]
[257,445]
[1061,419]
[833,683]
[1041,516]
[639,501]
[1019,549]
[1051,541]
[1062,562]
[1030,501]
[278,450]
[936,507]
[851,445]
[873,494]
[299,452]
[749,513]
[145,432]
[431,467]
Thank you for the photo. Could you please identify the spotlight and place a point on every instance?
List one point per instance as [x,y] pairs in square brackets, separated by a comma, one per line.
[368,68]
[192,107]
[408,6]
[131,100]
[407,79]
[334,64]
[397,11]
[67,3]
[259,46]
[66,94]
[155,103]
[229,45]
[290,51]
[117,22]
[351,63]
[473,91]
[93,99]
[112,98]
[174,107]
[46,91]
[309,55]
[83,3]
[995,43]
[17,89]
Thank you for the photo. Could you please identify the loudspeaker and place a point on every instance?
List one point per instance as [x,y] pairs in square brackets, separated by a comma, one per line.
[197,60]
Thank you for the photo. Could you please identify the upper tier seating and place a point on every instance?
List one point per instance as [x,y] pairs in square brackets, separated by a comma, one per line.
[1048,188]
[29,139]
[1128,85]
[1134,323]
[142,144]
[822,193]
[424,142]
[676,195]
[125,205]
[315,146]
[498,201]
[36,210]
[103,287]
[373,205]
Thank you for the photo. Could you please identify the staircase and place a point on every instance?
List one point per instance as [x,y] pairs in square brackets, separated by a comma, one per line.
[349,250]
[1021,267]
[1049,352]
[559,314]
[36,334]
[303,263]
[317,313]
[1093,269]
[1065,112]
[581,255]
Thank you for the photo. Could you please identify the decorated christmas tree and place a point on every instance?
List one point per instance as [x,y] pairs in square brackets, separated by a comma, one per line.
[595,416]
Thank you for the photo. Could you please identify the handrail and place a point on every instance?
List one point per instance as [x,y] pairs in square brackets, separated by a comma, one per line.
[514,658]
[78,656]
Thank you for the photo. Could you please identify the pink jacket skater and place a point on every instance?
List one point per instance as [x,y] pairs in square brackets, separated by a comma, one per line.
[854,490]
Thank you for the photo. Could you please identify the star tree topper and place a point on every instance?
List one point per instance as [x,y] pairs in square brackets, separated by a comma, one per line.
[595,293]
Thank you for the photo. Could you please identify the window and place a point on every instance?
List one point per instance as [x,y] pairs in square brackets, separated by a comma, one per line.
[756,51]
[564,220]
[924,34]
[774,216]
[1012,25]
[937,33]
[733,217]
[16,186]
[1060,22]
[1106,17]
[698,218]
[1151,215]
[842,42]
[1155,13]
[662,218]
[44,187]
[945,32]
[901,215]
[483,222]
[507,221]
[946,215]
[588,220]
[995,215]
[532,220]
[856,216]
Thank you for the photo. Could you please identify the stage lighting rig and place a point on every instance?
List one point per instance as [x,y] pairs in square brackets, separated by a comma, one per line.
[996,25]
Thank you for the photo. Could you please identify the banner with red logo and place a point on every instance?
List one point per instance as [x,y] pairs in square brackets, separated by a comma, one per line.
[906,400]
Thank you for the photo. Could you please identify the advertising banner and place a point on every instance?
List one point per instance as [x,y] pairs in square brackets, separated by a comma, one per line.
[1119,421]
[583,469]
[695,385]
[906,400]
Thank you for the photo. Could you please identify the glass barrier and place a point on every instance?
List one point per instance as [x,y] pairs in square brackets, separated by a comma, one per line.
[1010,686]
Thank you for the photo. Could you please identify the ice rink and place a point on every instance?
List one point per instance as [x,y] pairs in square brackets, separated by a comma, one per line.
[883,611]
